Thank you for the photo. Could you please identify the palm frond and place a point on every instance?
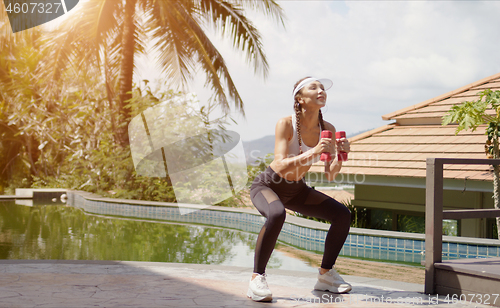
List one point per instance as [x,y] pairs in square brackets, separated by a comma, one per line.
[9,39]
[80,37]
[268,7]
[5,29]
[168,29]
[215,67]
[141,35]
[182,43]
[231,20]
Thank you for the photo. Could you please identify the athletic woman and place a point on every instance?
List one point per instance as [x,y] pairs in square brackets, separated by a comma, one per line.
[298,145]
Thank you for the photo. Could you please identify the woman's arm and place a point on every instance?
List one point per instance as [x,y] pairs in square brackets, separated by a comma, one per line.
[284,164]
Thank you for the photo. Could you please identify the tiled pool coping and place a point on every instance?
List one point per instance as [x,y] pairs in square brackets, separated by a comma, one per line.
[300,232]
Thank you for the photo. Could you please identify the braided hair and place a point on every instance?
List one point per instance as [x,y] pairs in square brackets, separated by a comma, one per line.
[298,109]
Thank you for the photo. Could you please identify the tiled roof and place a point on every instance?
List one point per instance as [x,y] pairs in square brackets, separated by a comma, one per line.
[400,149]
[435,108]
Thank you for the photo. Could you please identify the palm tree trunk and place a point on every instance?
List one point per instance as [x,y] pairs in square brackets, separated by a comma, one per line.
[496,193]
[126,70]
[109,93]
[496,181]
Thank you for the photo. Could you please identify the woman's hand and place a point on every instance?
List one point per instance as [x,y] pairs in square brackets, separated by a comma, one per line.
[343,145]
[325,145]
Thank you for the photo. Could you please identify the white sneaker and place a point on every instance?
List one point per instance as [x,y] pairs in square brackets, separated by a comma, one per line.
[258,289]
[331,281]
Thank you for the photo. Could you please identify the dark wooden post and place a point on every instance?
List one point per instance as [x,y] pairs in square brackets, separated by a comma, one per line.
[433,220]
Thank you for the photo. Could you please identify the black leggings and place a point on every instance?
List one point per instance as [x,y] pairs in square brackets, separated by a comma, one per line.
[271,194]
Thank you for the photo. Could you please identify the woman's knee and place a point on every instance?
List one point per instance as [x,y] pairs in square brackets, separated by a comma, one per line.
[346,212]
[276,216]
[337,212]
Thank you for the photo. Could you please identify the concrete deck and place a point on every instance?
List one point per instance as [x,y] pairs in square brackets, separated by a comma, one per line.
[47,283]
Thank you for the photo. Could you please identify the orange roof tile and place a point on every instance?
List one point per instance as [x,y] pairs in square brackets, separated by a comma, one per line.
[339,195]
[468,87]
[402,151]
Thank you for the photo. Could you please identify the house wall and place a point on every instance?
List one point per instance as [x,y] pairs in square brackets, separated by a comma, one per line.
[411,201]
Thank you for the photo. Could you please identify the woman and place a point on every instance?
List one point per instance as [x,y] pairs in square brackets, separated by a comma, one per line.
[298,145]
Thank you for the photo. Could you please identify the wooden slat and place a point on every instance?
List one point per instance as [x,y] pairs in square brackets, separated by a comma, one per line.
[472,213]
[12,197]
[469,161]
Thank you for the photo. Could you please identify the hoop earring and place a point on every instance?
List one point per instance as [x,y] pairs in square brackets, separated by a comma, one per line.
[325,111]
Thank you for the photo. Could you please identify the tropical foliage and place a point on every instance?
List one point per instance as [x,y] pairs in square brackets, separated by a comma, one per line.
[67,96]
[67,140]
[111,33]
[472,114]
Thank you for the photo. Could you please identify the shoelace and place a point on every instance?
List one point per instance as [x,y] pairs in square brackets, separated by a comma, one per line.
[338,277]
[262,283]
[334,274]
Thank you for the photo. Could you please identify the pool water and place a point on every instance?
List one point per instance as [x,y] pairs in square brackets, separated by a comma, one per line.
[65,233]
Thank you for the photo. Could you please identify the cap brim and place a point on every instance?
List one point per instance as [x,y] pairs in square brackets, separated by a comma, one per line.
[327,83]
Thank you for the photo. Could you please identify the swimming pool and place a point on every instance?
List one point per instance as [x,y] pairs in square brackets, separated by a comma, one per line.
[67,233]
[301,233]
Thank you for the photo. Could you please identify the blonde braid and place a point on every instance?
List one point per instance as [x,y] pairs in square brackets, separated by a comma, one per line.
[321,122]
[297,108]
[297,124]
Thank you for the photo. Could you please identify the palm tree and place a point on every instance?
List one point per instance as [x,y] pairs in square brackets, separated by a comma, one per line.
[112,32]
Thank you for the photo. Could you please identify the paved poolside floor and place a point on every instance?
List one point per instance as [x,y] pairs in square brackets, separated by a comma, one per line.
[46,283]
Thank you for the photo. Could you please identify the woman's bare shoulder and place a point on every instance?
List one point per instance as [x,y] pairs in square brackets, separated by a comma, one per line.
[284,127]
[285,121]
[329,127]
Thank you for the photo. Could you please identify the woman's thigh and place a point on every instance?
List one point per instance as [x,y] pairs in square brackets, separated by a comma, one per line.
[267,202]
[317,204]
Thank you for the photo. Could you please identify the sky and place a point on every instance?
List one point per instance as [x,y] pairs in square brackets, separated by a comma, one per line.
[382,56]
